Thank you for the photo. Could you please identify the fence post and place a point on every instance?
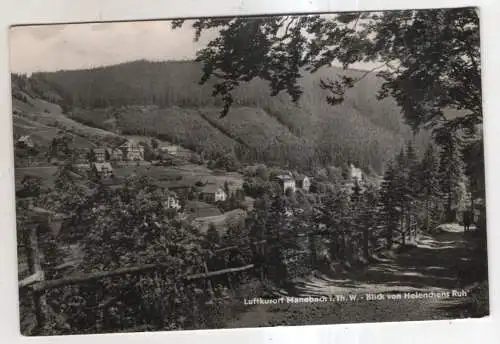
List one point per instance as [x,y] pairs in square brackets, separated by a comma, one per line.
[35,267]
[209,281]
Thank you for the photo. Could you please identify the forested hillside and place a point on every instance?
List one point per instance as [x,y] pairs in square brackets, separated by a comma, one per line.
[361,129]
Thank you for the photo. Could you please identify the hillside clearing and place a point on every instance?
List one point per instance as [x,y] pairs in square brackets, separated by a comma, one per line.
[221,222]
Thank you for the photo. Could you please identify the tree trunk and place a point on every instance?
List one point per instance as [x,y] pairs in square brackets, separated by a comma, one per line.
[35,266]
[366,244]
[403,232]
[389,232]
[427,216]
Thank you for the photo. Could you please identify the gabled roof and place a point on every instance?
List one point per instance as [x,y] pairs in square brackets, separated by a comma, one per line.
[99,166]
[211,188]
[301,177]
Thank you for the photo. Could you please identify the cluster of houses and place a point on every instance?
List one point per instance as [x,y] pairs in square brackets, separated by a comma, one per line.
[129,151]
[289,183]
[101,166]
[101,158]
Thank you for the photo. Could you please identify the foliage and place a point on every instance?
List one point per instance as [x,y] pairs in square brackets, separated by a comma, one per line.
[408,44]
[429,190]
[225,162]
[60,147]
[452,175]
[31,187]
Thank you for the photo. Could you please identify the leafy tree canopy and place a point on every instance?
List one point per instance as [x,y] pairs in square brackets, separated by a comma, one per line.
[429,59]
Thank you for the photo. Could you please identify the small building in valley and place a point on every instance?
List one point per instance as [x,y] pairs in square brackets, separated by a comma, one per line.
[172,201]
[355,173]
[98,155]
[303,182]
[286,182]
[102,170]
[169,149]
[212,193]
[132,151]
[114,154]
[25,142]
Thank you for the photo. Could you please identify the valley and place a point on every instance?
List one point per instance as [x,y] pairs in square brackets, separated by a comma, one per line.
[138,183]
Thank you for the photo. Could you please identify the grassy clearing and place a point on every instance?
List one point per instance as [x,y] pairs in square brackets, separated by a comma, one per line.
[201,209]
[43,120]
[220,222]
[187,175]
[46,175]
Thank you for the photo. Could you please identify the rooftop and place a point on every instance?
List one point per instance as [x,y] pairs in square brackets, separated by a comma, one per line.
[100,166]
[284,177]
[211,188]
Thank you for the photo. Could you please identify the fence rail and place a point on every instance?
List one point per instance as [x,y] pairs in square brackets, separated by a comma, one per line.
[37,283]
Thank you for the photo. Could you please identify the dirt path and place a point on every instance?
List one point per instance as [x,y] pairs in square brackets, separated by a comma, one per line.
[424,279]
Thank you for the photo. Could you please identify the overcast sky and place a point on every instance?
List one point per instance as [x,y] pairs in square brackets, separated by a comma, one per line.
[79,46]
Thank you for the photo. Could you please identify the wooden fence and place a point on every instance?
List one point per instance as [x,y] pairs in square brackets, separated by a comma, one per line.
[38,285]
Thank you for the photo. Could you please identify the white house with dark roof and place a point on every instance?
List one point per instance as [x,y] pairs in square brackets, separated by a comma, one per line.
[213,193]
[25,142]
[172,201]
[287,182]
[355,173]
[169,149]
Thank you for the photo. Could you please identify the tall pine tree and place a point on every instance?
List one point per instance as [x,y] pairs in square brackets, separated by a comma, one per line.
[390,200]
[429,190]
[451,172]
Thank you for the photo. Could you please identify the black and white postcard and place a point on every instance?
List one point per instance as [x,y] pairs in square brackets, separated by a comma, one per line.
[257,171]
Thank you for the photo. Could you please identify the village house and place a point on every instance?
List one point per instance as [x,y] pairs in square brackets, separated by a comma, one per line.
[98,155]
[132,151]
[102,170]
[25,142]
[172,201]
[286,182]
[212,193]
[303,182]
[355,173]
[169,149]
[114,154]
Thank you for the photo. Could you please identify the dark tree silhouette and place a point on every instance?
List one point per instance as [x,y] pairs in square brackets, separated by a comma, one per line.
[429,59]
